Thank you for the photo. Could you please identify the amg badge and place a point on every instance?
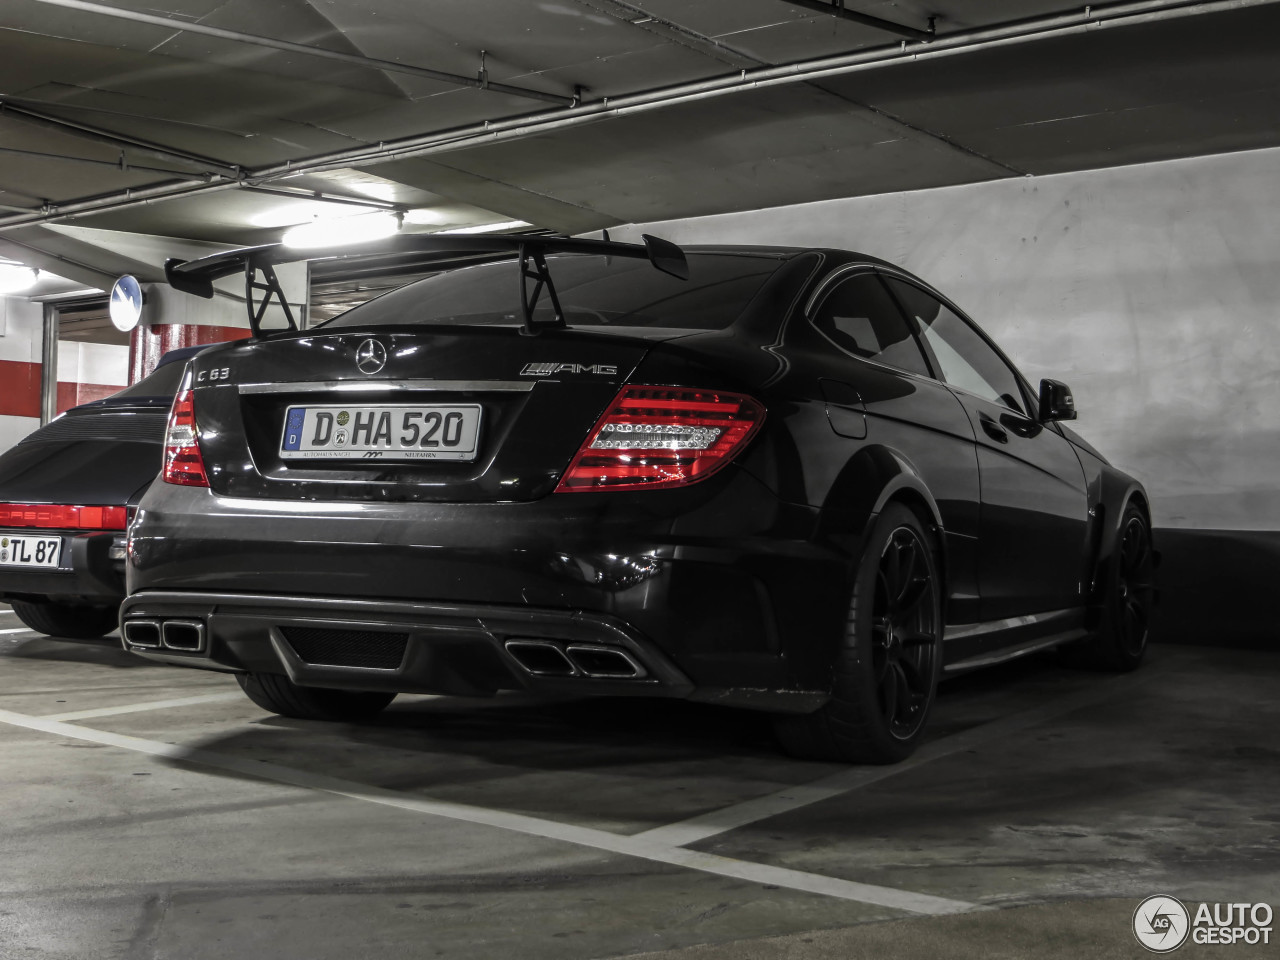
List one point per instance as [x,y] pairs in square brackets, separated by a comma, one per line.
[547,369]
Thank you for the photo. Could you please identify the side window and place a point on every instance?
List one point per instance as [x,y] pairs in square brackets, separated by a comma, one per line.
[967,360]
[860,317]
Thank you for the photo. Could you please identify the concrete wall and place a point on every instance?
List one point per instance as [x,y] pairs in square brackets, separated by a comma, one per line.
[1153,290]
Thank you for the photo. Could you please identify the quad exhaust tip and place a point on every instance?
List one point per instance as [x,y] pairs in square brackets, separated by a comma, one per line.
[542,658]
[184,635]
[604,663]
[545,658]
[141,633]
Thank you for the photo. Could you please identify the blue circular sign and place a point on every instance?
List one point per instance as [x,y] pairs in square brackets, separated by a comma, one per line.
[126,303]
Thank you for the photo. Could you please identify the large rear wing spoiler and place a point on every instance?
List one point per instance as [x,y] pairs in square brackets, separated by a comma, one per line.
[261,286]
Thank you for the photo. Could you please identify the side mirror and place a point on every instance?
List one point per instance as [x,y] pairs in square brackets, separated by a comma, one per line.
[1056,402]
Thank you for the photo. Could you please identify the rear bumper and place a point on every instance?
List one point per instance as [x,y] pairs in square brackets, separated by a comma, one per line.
[718,591]
[461,649]
[87,572]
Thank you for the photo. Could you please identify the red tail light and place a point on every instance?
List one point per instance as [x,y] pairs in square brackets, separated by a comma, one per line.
[182,460]
[62,516]
[651,438]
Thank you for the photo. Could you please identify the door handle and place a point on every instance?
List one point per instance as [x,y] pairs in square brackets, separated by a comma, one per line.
[993,429]
[1027,429]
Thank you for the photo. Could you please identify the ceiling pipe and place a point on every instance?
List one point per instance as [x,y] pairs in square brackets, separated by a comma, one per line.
[318,197]
[960,42]
[488,132]
[84,131]
[122,165]
[836,8]
[355,59]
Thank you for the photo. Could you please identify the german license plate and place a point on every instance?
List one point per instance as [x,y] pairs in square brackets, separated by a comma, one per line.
[23,550]
[388,432]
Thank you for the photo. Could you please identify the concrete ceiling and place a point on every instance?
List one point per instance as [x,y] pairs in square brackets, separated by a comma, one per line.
[684,107]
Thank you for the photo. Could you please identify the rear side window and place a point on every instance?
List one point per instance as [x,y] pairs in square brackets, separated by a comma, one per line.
[860,318]
[593,291]
[967,360]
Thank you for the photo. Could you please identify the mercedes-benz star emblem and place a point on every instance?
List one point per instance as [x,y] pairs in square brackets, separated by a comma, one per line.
[371,357]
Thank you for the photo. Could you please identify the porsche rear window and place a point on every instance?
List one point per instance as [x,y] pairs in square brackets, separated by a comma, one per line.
[593,291]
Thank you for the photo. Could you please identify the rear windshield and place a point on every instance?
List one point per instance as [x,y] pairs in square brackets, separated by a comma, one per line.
[162,383]
[593,291]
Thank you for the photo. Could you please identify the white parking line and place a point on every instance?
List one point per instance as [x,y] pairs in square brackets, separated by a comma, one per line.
[642,848]
[18,630]
[720,821]
[7,613]
[142,707]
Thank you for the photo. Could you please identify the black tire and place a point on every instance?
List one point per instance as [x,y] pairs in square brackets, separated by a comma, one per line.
[66,620]
[1127,597]
[886,670]
[278,694]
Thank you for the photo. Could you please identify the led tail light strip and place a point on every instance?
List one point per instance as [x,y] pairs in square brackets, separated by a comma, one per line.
[653,438]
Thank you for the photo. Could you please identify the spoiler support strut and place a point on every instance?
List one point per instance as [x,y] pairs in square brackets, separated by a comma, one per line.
[196,277]
[270,288]
[541,277]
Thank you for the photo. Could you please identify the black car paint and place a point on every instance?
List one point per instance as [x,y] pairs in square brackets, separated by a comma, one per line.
[739,583]
[103,453]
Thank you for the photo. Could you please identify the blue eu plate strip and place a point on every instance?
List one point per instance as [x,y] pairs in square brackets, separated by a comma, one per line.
[293,428]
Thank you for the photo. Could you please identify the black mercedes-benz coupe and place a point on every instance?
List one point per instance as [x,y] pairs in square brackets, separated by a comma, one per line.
[66,493]
[798,480]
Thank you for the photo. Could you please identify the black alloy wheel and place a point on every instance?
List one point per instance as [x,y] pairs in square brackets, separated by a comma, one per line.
[904,634]
[887,667]
[1135,587]
[1127,597]
[1121,639]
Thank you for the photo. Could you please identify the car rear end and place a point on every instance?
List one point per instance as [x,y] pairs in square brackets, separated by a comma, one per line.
[66,492]
[454,506]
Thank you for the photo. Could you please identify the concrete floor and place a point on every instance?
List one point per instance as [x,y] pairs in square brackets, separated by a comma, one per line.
[153,812]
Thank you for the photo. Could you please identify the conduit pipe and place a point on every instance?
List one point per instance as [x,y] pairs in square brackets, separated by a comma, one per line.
[488,132]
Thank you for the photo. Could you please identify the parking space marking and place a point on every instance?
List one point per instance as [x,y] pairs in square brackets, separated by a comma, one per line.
[640,847]
[716,822]
[142,707]
[19,630]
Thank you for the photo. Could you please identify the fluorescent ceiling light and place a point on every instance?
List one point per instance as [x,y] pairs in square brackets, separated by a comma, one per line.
[339,232]
[292,214]
[16,277]
[425,216]
[487,227]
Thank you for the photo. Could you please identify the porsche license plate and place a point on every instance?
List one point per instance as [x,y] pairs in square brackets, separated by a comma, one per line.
[25,550]
[389,432]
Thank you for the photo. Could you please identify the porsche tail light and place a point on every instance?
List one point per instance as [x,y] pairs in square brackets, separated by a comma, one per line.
[651,438]
[183,463]
[62,516]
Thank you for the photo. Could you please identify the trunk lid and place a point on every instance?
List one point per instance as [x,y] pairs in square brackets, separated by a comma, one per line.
[536,398]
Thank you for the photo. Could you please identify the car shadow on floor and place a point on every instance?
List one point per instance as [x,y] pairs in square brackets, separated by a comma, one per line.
[103,651]
[464,741]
